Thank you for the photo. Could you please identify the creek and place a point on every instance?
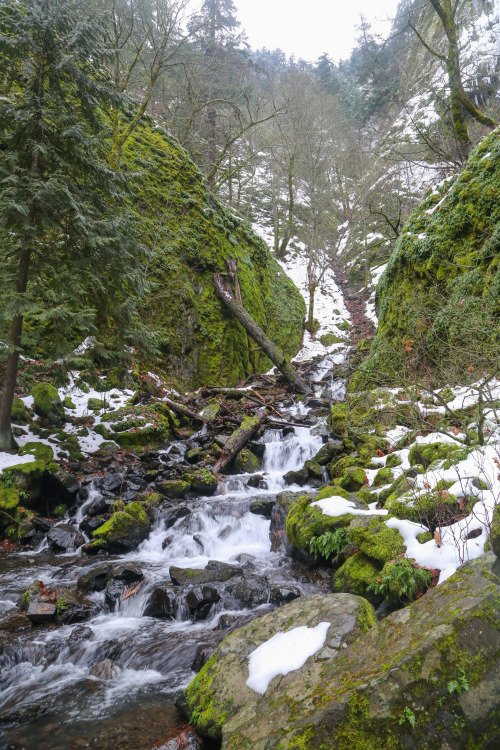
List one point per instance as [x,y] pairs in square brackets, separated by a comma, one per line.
[48,677]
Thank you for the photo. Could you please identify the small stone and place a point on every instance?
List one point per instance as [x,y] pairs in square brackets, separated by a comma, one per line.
[41,613]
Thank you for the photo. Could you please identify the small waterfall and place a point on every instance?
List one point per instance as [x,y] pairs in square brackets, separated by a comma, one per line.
[289,453]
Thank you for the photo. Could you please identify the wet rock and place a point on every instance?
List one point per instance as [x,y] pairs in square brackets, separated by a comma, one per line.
[112,483]
[124,531]
[284,594]
[62,538]
[88,525]
[201,482]
[224,532]
[246,462]
[328,451]
[114,593]
[214,571]
[186,740]
[104,670]
[162,602]
[203,653]
[128,573]
[173,488]
[199,541]
[100,505]
[23,714]
[263,507]
[64,485]
[227,671]
[256,481]
[14,620]
[40,524]
[73,606]
[277,532]
[41,613]
[250,591]
[175,514]
[200,599]
[314,470]
[193,456]
[79,634]
[300,477]
[95,579]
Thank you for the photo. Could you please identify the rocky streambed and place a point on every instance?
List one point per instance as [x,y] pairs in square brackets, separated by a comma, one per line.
[96,648]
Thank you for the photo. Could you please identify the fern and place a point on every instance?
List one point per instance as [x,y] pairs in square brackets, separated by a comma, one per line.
[329,544]
[401,582]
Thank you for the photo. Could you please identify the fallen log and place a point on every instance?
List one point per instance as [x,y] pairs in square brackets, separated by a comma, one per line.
[180,409]
[240,438]
[225,293]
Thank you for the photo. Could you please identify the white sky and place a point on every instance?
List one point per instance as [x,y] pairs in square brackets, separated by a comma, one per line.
[307,28]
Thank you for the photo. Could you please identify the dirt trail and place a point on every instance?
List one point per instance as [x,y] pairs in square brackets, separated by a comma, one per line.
[362,326]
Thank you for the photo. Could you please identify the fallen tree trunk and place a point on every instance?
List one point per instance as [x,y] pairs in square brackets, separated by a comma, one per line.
[180,409]
[240,438]
[225,293]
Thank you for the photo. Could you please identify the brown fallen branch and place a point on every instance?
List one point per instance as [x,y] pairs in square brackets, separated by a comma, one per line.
[180,409]
[240,438]
[224,292]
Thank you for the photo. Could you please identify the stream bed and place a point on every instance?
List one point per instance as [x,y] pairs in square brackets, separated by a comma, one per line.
[112,681]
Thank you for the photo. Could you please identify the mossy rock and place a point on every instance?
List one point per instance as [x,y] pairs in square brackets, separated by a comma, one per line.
[60,510]
[338,419]
[495,532]
[47,403]
[97,404]
[374,539]
[9,500]
[202,482]
[352,479]
[427,454]
[123,531]
[305,521]
[344,326]
[68,403]
[328,339]
[330,490]
[246,462]
[314,469]
[400,486]
[337,467]
[382,477]
[174,488]
[392,460]
[356,575]
[327,452]
[18,414]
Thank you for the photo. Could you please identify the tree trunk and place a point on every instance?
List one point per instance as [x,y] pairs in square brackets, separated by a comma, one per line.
[181,409]
[310,316]
[240,438]
[251,327]
[7,441]
[291,202]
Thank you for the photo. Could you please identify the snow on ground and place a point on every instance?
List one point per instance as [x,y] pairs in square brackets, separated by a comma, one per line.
[284,653]
[8,459]
[329,307]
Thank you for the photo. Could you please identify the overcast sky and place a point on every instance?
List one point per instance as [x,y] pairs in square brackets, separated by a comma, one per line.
[307,28]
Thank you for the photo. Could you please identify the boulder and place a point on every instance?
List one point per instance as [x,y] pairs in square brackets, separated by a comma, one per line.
[123,532]
[213,572]
[374,539]
[47,403]
[162,602]
[64,538]
[219,692]
[95,579]
[72,606]
[173,489]
[427,676]
[300,477]
[246,462]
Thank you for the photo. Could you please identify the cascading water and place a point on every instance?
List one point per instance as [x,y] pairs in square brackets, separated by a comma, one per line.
[110,681]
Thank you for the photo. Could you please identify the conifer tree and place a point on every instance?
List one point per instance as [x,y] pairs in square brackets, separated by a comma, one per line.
[61,231]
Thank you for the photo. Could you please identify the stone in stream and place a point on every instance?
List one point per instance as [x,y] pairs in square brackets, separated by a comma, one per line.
[173,488]
[199,600]
[14,620]
[300,477]
[96,578]
[219,693]
[427,676]
[79,634]
[72,606]
[213,572]
[175,514]
[250,591]
[101,504]
[41,613]
[263,507]
[162,602]
[246,462]
[63,538]
[284,594]
[88,525]
[104,670]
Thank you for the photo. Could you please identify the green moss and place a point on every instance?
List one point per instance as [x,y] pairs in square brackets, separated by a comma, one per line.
[337,421]
[59,511]
[206,715]
[47,403]
[328,339]
[304,522]
[392,461]
[9,498]
[383,476]
[375,540]
[41,451]
[426,454]
[331,491]
[356,575]
[18,413]
[424,537]
[68,403]
[352,479]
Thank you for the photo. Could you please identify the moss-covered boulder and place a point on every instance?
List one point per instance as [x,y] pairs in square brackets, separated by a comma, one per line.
[426,453]
[306,521]
[246,462]
[382,477]
[374,539]
[356,575]
[173,488]
[426,677]
[314,469]
[338,419]
[352,479]
[220,692]
[18,414]
[201,481]
[123,531]
[47,403]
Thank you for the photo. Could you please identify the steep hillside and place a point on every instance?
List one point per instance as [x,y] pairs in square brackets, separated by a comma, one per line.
[438,299]
[192,237]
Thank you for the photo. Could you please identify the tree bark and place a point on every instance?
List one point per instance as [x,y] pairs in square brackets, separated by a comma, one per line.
[7,441]
[240,438]
[251,327]
[180,409]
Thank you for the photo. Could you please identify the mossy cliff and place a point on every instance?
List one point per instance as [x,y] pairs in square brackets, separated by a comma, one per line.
[439,298]
[191,237]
